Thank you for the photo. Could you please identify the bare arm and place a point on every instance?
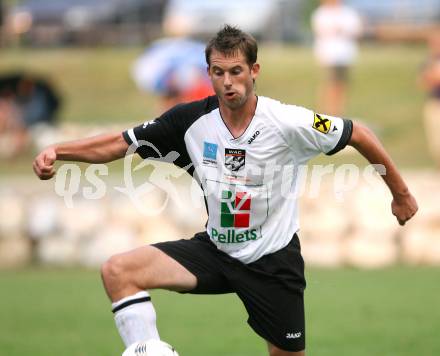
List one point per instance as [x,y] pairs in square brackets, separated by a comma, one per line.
[98,149]
[403,206]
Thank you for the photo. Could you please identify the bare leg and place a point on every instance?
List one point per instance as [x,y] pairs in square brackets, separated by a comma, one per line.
[144,268]
[275,351]
[333,98]
[127,276]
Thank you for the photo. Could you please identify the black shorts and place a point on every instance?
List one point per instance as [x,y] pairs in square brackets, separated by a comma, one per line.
[271,288]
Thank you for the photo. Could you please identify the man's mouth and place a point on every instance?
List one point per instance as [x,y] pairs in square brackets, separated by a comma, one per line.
[230,95]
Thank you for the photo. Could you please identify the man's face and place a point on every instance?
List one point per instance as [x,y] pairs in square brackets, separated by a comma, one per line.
[232,78]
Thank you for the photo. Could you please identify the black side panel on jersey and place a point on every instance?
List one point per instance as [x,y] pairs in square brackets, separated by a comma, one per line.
[345,137]
[165,134]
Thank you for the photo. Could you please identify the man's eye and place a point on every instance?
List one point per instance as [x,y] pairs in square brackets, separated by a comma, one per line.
[236,71]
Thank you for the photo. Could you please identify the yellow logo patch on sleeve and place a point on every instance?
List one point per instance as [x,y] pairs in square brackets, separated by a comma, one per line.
[322,124]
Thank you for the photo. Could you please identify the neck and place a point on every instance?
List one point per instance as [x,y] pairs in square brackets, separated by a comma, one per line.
[237,120]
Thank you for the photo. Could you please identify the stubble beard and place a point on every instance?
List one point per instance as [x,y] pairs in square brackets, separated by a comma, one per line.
[235,104]
[239,102]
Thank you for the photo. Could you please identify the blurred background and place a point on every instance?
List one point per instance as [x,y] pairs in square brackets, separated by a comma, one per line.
[74,68]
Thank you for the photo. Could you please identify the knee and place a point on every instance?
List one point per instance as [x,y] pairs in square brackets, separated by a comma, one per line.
[275,351]
[113,269]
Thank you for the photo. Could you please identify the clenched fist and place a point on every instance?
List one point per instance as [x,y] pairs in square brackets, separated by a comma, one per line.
[43,163]
[404,208]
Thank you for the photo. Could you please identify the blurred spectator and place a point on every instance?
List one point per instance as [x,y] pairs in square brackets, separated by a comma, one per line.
[336,28]
[175,69]
[430,81]
[27,104]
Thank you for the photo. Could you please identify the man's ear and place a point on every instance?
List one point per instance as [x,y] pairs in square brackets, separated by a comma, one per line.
[255,70]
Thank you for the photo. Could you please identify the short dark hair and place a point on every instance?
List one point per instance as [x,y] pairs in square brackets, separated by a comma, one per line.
[229,41]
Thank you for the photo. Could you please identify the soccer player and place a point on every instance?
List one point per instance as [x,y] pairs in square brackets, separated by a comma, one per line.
[250,246]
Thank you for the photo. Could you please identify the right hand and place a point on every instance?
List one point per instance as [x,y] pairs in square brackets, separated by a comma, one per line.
[43,163]
[404,208]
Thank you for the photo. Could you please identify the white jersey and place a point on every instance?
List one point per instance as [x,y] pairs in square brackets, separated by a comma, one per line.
[249,182]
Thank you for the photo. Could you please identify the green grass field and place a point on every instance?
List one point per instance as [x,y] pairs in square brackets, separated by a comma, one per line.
[391,312]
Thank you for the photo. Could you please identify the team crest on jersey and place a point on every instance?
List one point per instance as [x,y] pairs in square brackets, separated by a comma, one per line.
[235,159]
[322,123]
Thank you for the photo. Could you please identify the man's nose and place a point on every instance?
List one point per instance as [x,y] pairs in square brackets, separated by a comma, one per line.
[227,82]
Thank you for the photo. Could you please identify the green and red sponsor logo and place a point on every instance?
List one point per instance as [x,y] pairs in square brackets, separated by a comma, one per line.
[235,209]
[235,213]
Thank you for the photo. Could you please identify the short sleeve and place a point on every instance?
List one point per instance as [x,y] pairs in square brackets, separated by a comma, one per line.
[159,137]
[166,134]
[309,133]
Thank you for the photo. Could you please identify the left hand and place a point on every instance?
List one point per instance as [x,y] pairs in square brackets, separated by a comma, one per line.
[404,208]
